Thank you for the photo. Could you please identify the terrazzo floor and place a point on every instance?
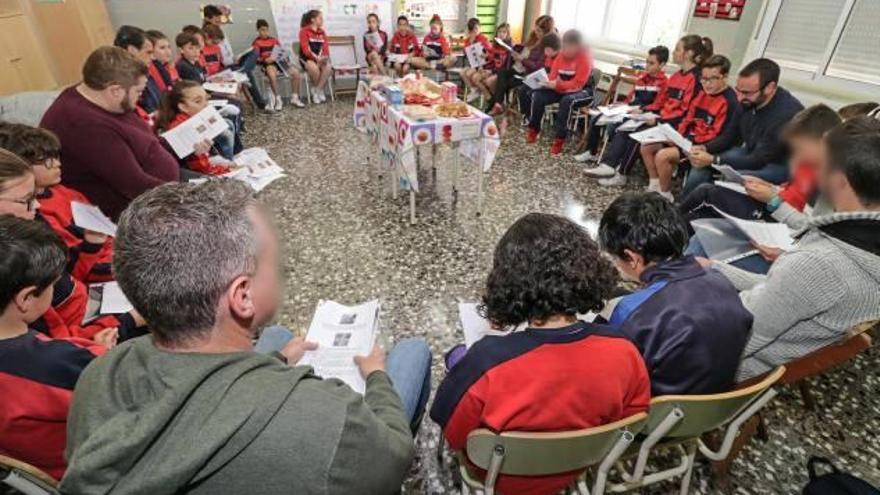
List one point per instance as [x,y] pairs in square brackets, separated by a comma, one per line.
[345,239]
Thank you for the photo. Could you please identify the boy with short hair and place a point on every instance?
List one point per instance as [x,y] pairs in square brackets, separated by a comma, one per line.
[190,66]
[37,373]
[404,42]
[567,85]
[211,51]
[264,46]
[162,71]
[688,323]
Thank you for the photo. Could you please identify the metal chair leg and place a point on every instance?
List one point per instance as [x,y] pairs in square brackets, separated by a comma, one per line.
[686,479]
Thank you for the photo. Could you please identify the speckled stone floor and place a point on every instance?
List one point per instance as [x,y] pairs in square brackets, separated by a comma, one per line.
[345,239]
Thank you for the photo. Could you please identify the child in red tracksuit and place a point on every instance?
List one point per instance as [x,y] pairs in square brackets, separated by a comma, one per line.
[375,45]
[186,99]
[567,86]
[162,71]
[211,51]
[404,42]
[264,46]
[710,113]
[436,52]
[472,76]
[314,53]
[90,253]
[499,58]
[37,373]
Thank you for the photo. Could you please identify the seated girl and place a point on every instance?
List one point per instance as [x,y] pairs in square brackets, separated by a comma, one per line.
[375,45]
[436,53]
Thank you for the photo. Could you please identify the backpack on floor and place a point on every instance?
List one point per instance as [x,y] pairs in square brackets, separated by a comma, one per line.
[835,482]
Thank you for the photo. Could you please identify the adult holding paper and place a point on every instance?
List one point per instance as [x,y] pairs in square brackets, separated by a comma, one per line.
[109,154]
[755,145]
[830,281]
[711,114]
[202,262]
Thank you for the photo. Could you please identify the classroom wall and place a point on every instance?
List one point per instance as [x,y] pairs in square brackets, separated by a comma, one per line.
[731,38]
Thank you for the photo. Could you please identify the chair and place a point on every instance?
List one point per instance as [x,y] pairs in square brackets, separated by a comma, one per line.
[354,67]
[678,422]
[25,478]
[575,115]
[542,454]
[617,90]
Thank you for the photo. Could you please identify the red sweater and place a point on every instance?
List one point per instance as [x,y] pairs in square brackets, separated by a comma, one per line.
[164,81]
[571,74]
[88,262]
[801,187]
[580,376]
[708,115]
[264,47]
[673,103]
[198,163]
[439,46]
[213,59]
[37,376]
[405,44]
[109,157]
[313,42]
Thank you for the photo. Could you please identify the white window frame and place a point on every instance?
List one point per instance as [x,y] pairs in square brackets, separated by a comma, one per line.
[604,42]
[817,76]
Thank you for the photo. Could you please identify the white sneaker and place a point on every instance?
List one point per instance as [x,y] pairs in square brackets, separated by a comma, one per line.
[270,102]
[315,98]
[600,170]
[295,101]
[586,156]
[617,180]
[279,104]
[667,196]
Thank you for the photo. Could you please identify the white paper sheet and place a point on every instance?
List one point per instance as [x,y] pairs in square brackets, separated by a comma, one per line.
[476,55]
[374,39]
[474,326]
[218,103]
[113,301]
[611,110]
[226,88]
[651,135]
[675,137]
[504,45]
[610,119]
[536,79]
[643,116]
[776,235]
[229,75]
[722,240]
[203,126]
[90,217]
[342,332]
[730,174]
[733,186]
[398,58]
[630,125]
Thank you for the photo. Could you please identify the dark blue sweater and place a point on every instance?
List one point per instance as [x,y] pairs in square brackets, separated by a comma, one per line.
[689,325]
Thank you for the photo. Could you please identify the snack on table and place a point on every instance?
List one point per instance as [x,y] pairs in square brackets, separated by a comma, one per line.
[420,91]
[419,112]
[457,110]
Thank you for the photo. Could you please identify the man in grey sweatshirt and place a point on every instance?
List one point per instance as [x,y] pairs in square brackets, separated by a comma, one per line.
[192,408]
[830,281]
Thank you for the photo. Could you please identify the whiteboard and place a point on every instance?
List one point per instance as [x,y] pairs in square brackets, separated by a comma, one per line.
[341,18]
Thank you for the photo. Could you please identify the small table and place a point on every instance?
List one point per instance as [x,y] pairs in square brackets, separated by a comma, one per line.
[398,138]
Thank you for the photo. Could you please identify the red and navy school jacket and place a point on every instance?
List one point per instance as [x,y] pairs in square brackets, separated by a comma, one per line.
[439,46]
[499,56]
[200,163]
[213,59]
[673,103]
[487,47]
[64,319]
[571,74]
[263,47]
[191,71]
[368,47]
[579,376]
[690,326]
[313,43]
[164,75]
[37,376]
[709,115]
[88,262]
[405,44]
[646,89]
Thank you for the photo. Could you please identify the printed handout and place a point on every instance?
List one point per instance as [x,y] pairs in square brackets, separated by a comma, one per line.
[113,301]
[229,75]
[374,39]
[504,45]
[222,87]
[733,186]
[256,168]
[611,110]
[630,125]
[722,240]
[398,58]
[203,126]
[476,55]
[536,79]
[90,217]
[676,138]
[475,327]
[342,332]
[661,134]
[729,173]
[775,235]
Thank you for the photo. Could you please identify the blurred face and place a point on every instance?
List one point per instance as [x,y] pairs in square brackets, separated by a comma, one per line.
[435,29]
[194,101]
[190,52]
[807,151]
[502,33]
[678,53]
[265,283]
[216,20]
[263,31]
[403,26]
[751,94]
[550,52]
[18,197]
[570,50]
[476,30]
[145,53]
[47,173]
[372,23]
[653,66]
[162,51]
[318,21]
[201,41]
[713,80]
[832,183]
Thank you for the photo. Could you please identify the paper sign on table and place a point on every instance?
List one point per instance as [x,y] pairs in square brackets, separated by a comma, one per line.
[90,217]
[203,126]
[536,79]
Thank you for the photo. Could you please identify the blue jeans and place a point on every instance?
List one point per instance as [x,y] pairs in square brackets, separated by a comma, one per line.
[247,63]
[408,365]
[754,263]
[774,173]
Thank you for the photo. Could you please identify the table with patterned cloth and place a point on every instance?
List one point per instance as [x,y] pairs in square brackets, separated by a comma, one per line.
[399,137]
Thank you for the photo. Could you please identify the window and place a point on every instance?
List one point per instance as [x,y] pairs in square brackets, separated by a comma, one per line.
[824,40]
[636,24]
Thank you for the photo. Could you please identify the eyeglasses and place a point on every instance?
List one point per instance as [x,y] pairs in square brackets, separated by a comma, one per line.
[749,93]
[711,79]
[29,202]
[49,163]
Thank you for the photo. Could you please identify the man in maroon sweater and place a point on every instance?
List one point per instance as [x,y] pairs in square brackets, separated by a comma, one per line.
[109,153]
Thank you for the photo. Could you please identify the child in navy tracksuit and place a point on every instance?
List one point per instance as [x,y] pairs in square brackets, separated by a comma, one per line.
[688,322]
[649,84]
[567,86]
[712,113]
[671,105]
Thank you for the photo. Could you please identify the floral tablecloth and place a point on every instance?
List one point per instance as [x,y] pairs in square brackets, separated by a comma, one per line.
[397,135]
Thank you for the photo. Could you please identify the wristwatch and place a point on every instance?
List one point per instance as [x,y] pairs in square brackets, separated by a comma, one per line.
[774,203]
[716,160]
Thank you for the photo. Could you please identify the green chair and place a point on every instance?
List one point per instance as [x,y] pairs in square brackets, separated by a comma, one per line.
[21,477]
[545,453]
[678,422]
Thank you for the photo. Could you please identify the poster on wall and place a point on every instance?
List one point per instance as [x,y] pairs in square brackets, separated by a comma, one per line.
[341,18]
[423,10]
[719,9]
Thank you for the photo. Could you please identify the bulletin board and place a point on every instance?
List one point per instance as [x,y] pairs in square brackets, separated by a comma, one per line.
[720,9]
[341,18]
[423,10]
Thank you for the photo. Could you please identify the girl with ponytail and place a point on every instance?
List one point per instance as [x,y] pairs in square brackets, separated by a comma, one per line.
[436,52]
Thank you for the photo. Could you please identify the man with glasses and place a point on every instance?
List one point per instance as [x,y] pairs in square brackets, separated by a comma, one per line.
[755,147]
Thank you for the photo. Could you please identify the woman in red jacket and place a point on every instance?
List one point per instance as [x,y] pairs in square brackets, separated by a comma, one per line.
[314,52]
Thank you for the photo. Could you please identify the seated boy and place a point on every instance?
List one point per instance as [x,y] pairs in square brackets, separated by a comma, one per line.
[90,253]
[162,71]
[689,324]
[37,373]
[189,65]
[567,85]
[559,373]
